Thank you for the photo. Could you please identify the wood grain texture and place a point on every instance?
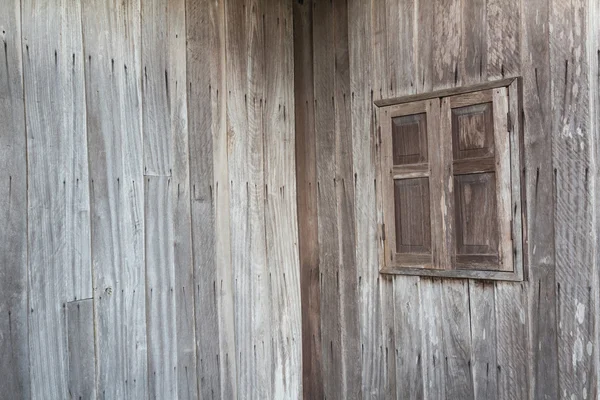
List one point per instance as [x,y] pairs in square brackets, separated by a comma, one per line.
[246,101]
[572,156]
[457,340]
[58,199]
[539,182]
[408,332]
[80,337]
[113,93]
[280,206]
[306,182]
[503,38]
[169,272]
[14,363]
[474,46]
[209,187]
[161,312]
[363,87]
[483,340]
[330,254]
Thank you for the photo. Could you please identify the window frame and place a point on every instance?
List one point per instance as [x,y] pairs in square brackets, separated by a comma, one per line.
[511,198]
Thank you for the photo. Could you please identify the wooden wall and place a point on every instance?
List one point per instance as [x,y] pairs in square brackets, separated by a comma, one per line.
[368,335]
[148,227]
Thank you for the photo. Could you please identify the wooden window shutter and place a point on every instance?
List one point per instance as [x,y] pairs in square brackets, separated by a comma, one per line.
[409,141]
[450,193]
[477,124]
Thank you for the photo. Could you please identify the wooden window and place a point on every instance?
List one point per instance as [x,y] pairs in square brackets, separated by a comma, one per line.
[450,193]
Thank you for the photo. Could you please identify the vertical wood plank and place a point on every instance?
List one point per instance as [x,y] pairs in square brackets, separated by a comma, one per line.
[161,309]
[434,378]
[473,61]
[424,45]
[80,337]
[408,333]
[400,31]
[572,158]
[511,339]
[58,195]
[365,51]
[209,187]
[539,183]
[483,340]
[245,103]
[503,38]
[14,363]
[328,228]
[457,339]
[345,199]
[280,201]
[306,175]
[446,44]
[169,259]
[111,33]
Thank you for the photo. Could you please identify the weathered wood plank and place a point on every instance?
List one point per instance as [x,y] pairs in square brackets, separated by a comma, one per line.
[306,176]
[14,363]
[434,377]
[58,199]
[400,29]
[446,44]
[483,340]
[280,201]
[345,209]
[209,186]
[572,156]
[80,337]
[328,227]
[473,60]
[164,111]
[160,288]
[253,292]
[187,387]
[113,76]
[503,38]
[408,333]
[456,339]
[511,340]
[424,45]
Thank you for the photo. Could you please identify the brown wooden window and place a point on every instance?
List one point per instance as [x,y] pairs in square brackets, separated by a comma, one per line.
[450,193]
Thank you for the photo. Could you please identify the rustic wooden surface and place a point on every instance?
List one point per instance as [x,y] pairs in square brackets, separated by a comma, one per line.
[149,235]
[14,363]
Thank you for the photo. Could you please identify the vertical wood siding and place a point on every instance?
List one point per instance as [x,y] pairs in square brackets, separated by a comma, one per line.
[148,231]
[462,339]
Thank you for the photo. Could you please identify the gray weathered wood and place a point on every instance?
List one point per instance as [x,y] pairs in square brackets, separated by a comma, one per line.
[306,182]
[209,186]
[457,339]
[245,103]
[171,343]
[82,360]
[483,340]
[14,362]
[161,309]
[434,376]
[280,203]
[408,332]
[113,75]
[573,163]
[362,88]
[539,183]
[328,226]
[58,201]
[503,37]
[473,60]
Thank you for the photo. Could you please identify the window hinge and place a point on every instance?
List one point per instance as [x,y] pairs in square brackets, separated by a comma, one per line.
[512,239]
[509,122]
[383,232]
[379,134]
